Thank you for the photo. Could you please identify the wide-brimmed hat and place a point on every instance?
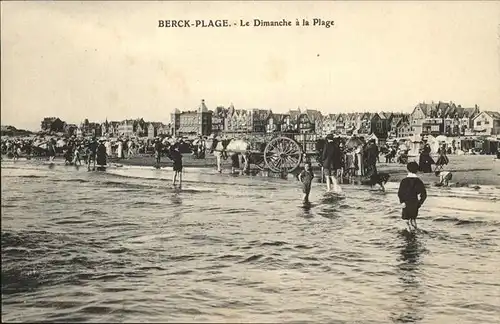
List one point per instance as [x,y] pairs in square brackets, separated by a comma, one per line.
[329,136]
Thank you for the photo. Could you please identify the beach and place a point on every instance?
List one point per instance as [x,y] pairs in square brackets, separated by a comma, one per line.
[466,169]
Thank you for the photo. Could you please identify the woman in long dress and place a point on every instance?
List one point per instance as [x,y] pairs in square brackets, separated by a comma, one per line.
[119,150]
[425,161]
[109,150]
[442,159]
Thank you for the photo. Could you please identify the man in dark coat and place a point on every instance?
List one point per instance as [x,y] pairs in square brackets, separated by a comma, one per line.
[372,153]
[332,161]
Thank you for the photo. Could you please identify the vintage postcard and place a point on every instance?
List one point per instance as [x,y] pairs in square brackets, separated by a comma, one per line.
[250,162]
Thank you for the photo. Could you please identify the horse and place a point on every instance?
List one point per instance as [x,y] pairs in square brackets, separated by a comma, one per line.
[221,148]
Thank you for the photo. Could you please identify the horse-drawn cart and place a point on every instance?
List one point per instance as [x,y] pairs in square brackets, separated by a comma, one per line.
[278,152]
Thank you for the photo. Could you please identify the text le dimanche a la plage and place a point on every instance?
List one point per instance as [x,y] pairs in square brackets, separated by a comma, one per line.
[245,23]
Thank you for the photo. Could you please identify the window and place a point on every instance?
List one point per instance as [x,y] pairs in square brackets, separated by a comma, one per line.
[478,123]
[487,122]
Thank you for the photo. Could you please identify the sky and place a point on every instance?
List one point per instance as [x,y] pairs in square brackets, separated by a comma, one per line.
[99,60]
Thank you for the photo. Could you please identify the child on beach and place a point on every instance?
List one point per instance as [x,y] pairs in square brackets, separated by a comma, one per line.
[444,178]
[409,189]
[306,177]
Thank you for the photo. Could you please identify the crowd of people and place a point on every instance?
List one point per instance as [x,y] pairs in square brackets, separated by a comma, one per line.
[340,160]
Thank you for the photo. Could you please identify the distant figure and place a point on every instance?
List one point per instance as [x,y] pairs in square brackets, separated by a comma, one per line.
[425,160]
[403,157]
[351,163]
[372,156]
[442,159]
[176,157]
[109,150]
[68,155]
[92,153]
[332,161]
[76,156]
[158,146]
[306,177]
[444,178]
[51,150]
[409,189]
[101,156]
[235,162]
[119,150]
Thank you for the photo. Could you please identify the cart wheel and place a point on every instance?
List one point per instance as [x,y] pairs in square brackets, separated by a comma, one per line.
[283,155]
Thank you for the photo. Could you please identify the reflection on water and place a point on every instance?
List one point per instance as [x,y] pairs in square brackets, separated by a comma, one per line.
[413,296]
[124,246]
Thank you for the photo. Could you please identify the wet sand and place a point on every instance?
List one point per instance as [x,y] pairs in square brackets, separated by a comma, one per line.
[466,169]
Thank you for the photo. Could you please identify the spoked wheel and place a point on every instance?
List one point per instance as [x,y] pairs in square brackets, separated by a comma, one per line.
[283,154]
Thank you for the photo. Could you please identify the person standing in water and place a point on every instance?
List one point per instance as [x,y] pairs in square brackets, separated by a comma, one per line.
[176,157]
[409,191]
[158,148]
[76,155]
[372,155]
[101,154]
[92,152]
[306,177]
[51,150]
[331,158]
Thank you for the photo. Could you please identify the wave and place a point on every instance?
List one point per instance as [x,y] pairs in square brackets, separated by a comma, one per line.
[466,222]
[29,176]
[240,184]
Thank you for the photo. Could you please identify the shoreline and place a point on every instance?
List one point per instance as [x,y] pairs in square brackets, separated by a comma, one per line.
[466,169]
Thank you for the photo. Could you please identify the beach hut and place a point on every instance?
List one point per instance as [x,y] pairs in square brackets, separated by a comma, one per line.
[490,145]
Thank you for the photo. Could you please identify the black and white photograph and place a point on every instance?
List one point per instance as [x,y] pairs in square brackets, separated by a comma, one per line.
[250,161]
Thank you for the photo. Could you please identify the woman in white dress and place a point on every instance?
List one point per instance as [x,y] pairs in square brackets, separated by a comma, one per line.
[120,149]
[109,151]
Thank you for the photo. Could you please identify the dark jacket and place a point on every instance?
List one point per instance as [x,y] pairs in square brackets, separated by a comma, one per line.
[409,190]
[332,157]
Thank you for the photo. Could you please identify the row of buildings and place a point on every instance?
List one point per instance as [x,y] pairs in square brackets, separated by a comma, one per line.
[127,128]
[441,118]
